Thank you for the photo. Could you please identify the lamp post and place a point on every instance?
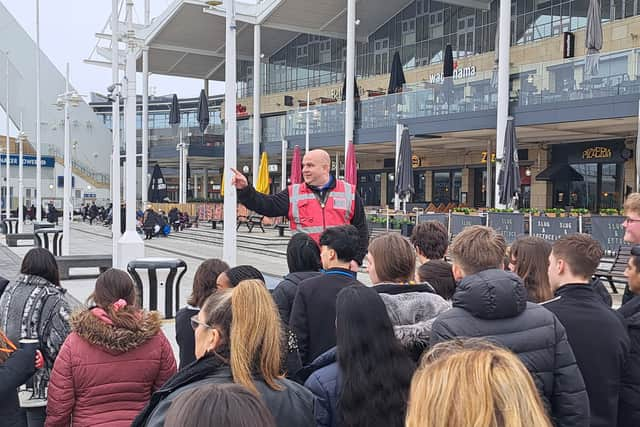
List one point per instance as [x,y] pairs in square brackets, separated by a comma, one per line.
[130,244]
[65,100]
[115,149]
[7,196]
[308,112]
[21,139]
[38,144]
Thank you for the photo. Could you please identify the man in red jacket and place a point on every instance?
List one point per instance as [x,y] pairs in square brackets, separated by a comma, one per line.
[322,201]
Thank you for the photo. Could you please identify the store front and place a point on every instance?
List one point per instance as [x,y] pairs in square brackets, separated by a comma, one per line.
[587,175]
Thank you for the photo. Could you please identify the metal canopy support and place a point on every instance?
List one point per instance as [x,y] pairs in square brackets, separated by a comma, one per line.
[256,103]
[350,75]
[503,88]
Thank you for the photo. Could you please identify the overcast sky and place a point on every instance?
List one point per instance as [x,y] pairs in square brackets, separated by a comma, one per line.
[67,34]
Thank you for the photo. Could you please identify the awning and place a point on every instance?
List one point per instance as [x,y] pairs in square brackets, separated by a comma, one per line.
[561,171]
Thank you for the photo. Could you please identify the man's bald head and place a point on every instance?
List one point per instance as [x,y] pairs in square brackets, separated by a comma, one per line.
[315,167]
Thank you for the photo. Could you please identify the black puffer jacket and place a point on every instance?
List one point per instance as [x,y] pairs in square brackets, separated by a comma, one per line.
[629,404]
[285,292]
[13,372]
[493,304]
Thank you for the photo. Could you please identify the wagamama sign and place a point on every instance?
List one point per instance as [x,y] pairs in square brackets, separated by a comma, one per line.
[458,73]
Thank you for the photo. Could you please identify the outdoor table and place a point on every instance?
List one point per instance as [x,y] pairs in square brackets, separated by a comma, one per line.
[10,225]
[45,235]
[152,265]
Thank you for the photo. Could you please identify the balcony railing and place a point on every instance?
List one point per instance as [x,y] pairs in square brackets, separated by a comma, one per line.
[472,91]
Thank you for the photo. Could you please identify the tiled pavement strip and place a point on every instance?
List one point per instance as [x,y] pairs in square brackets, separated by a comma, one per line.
[96,239]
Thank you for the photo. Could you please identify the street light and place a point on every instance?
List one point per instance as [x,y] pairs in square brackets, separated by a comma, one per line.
[316,116]
[21,138]
[65,100]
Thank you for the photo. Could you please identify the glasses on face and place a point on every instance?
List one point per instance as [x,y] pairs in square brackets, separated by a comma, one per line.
[195,323]
[628,220]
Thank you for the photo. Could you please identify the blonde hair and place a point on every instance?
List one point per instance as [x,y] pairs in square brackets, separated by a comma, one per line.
[478,248]
[249,325]
[632,204]
[495,389]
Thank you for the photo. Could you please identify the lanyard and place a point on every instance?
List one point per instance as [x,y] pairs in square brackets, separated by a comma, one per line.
[342,273]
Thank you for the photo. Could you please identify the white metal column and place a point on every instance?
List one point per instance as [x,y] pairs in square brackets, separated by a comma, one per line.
[115,149]
[145,124]
[230,144]
[283,178]
[257,128]
[7,197]
[67,205]
[131,245]
[38,139]
[503,89]
[350,74]
[21,137]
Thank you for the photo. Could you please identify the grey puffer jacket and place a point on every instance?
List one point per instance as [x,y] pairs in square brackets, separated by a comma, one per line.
[493,304]
[412,310]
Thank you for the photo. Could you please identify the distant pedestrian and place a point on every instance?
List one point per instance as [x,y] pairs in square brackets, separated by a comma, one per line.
[229,405]
[364,380]
[204,284]
[492,388]
[114,359]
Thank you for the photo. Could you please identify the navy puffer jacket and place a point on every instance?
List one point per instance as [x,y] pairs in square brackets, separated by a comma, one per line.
[493,304]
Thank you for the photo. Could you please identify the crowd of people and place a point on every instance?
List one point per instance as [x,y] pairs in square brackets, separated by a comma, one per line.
[474,333]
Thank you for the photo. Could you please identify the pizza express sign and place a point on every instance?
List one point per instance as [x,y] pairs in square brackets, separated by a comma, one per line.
[598,152]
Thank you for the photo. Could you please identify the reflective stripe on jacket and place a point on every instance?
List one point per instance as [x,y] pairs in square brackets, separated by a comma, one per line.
[309,215]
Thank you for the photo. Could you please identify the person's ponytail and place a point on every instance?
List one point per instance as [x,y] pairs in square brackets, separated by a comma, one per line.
[255,335]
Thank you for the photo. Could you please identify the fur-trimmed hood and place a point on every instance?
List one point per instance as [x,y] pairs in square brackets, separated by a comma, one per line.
[89,326]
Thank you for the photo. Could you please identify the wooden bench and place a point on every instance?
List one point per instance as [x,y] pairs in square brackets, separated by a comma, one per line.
[251,221]
[613,270]
[67,262]
[12,239]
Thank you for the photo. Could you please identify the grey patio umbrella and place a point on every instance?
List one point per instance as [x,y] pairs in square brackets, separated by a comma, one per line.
[203,113]
[396,78]
[509,178]
[404,173]
[593,39]
[174,112]
[356,96]
[157,187]
[447,73]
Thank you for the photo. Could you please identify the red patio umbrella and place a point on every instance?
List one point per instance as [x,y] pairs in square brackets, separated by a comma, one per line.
[296,166]
[350,171]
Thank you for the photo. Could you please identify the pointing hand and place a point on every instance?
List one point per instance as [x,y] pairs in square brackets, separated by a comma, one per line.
[238,180]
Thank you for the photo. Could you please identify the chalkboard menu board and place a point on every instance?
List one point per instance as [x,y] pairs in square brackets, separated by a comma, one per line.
[459,222]
[552,229]
[510,225]
[440,217]
[608,231]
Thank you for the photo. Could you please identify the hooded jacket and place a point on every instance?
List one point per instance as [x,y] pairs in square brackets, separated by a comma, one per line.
[493,304]
[105,374]
[412,310]
[629,404]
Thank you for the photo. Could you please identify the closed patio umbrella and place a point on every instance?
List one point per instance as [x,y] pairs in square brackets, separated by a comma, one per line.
[296,166]
[404,174]
[356,101]
[174,112]
[593,39]
[447,72]
[262,186]
[157,191]
[396,78]
[203,113]
[350,170]
[509,178]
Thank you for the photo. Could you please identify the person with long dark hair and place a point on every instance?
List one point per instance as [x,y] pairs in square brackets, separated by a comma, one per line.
[204,284]
[529,259]
[114,358]
[363,381]
[303,260]
[35,306]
